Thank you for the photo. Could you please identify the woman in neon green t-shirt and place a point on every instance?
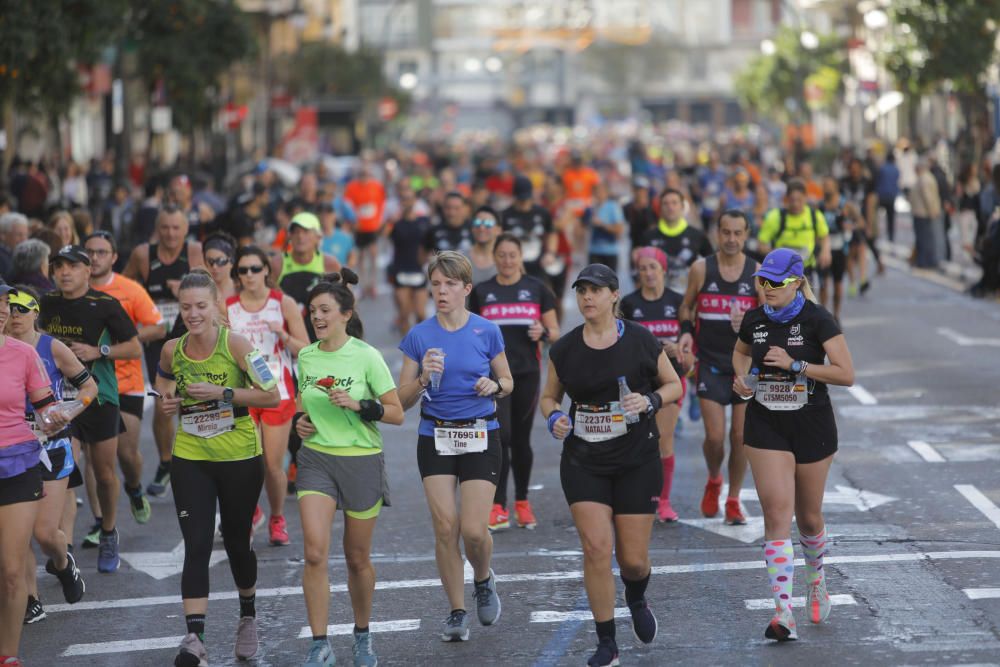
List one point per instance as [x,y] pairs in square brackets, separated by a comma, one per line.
[345,387]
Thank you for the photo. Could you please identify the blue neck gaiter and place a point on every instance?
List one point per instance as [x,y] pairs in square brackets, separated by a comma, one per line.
[787,313]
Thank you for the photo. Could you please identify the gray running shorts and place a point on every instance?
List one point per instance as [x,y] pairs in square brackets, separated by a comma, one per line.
[356,483]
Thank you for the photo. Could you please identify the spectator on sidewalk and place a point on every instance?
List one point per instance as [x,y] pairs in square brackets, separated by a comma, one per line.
[988,240]
[947,206]
[925,203]
[887,188]
[967,188]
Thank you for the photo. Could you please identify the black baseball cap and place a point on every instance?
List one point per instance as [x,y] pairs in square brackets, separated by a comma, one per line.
[72,253]
[6,289]
[597,274]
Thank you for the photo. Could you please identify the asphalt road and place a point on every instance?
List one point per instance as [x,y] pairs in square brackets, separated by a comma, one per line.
[911,507]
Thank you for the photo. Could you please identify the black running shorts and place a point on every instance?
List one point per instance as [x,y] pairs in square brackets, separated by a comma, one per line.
[810,433]
[98,423]
[715,386]
[480,465]
[131,404]
[634,490]
[23,488]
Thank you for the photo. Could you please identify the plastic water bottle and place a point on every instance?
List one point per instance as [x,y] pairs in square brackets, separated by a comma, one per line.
[623,391]
[67,409]
[751,382]
[436,375]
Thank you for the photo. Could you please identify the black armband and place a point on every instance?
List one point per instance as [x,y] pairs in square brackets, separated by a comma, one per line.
[48,400]
[79,379]
[687,327]
[655,400]
[371,411]
[164,374]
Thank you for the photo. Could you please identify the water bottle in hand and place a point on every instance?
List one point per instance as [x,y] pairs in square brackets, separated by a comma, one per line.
[623,391]
[751,382]
[67,409]
[436,375]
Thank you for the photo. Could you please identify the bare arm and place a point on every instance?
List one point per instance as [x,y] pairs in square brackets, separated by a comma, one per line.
[330,264]
[70,367]
[689,307]
[196,257]
[137,267]
[296,338]
[411,385]
[504,383]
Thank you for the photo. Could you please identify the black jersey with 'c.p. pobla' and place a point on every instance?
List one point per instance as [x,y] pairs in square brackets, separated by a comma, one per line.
[802,338]
[659,316]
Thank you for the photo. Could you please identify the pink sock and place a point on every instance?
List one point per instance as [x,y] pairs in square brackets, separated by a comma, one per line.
[668,476]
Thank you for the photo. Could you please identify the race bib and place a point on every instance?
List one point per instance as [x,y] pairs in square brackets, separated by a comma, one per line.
[782,395]
[555,267]
[367,211]
[410,279]
[836,241]
[208,419]
[710,203]
[454,441]
[531,249]
[169,310]
[593,423]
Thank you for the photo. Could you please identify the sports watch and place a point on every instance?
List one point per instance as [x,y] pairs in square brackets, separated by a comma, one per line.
[797,366]
[105,350]
[228,394]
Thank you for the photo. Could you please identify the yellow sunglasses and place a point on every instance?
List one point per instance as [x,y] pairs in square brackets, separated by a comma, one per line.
[771,285]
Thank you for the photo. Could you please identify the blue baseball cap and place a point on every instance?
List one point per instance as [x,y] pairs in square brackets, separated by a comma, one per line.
[781,264]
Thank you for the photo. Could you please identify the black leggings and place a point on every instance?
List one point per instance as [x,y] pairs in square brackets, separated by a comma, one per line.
[198,485]
[516,414]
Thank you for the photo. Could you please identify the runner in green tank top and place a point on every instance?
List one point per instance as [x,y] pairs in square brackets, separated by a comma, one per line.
[346,389]
[210,377]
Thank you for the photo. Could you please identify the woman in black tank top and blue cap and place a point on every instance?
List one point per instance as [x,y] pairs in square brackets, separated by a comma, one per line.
[790,433]
[617,377]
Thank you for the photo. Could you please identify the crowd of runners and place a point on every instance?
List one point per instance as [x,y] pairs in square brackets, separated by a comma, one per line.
[236,328]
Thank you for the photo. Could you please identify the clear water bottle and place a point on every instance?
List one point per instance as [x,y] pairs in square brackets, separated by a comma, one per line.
[751,382]
[67,409]
[623,391]
[436,375]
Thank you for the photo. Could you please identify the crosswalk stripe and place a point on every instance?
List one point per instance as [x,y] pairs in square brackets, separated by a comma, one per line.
[981,593]
[127,646]
[582,615]
[760,604]
[926,451]
[403,625]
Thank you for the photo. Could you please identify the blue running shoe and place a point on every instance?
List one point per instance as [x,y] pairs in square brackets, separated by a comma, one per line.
[107,552]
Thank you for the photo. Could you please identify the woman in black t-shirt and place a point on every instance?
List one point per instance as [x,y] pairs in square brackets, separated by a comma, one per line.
[656,307]
[406,272]
[610,469]
[790,433]
[525,310]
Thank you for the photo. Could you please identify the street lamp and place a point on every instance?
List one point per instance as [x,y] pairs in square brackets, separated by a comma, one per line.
[493,64]
[408,81]
[767,47]
[473,65]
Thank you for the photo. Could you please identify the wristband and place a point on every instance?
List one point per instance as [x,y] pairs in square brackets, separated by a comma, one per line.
[655,401]
[554,417]
[80,378]
[164,374]
[687,327]
[41,403]
[371,411]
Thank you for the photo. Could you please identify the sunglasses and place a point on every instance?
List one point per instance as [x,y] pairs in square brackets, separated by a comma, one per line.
[244,270]
[19,309]
[221,261]
[770,285]
[484,222]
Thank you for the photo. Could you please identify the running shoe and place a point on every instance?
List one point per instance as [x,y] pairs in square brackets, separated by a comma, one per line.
[734,513]
[456,627]
[525,515]
[643,621]
[72,583]
[34,612]
[139,504]
[694,410]
[664,512]
[278,531]
[11,661]
[499,518]
[818,601]
[606,654]
[107,554]
[191,653]
[161,480]
[782,626]
[93,537]
[487,600]
[258,519]
[320,654]
[246,638]
[364,652]
[710,500]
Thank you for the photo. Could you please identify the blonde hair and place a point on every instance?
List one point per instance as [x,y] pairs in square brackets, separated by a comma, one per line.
[807,290]
[452,265]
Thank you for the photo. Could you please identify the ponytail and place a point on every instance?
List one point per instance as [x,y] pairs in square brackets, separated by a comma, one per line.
[807,291]
[337,286]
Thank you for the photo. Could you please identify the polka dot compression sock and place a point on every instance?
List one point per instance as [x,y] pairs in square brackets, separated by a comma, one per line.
[780,556]
[813,548]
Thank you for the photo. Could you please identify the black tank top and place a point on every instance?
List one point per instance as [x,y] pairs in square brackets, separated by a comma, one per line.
[160,273]
[714,335]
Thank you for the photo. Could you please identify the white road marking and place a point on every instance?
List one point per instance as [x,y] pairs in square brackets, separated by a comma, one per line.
[951,415]
[748,534]
[768,603]
[404,625]
[127,646]
[926,452]
[582,615]
[967,341]
[688,568]
[980,502]
[163,564]
[469,572]
[844,495]
[981,593]
[862,395]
